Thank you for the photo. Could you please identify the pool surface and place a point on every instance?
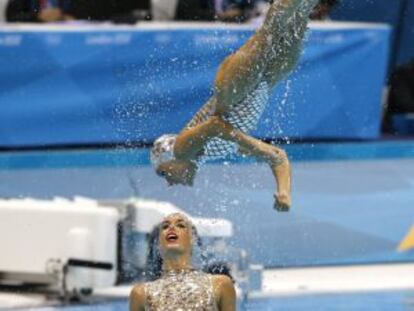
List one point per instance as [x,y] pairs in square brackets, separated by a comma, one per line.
[352,203]
[375,301]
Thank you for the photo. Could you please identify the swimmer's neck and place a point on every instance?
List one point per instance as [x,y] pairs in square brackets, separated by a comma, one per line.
[177,263]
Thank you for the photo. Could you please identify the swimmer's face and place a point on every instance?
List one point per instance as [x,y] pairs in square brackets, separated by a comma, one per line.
[175,235]
[177,172]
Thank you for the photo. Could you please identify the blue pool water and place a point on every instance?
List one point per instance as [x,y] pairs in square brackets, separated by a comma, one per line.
[352,203]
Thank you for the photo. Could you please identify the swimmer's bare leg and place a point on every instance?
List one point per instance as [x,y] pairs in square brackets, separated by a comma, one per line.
[240,72]
[289,48]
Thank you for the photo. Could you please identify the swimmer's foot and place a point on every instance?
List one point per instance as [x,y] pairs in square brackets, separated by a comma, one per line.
[282,202]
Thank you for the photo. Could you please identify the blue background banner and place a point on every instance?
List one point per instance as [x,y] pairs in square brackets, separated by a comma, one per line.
[81,86]
[399,14]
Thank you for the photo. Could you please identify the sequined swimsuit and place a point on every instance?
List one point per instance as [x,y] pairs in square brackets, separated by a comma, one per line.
[244,116]
[181,291]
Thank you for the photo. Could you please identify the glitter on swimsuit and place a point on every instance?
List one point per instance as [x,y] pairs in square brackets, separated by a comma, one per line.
[163,149]
[181,291]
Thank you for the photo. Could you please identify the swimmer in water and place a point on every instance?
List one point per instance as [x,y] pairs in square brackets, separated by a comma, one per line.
[180,286]
[242,88]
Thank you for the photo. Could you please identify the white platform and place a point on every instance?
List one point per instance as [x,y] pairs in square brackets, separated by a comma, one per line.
[282,282]
[343,279]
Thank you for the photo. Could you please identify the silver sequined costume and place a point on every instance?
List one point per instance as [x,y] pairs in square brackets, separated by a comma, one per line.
[243,116]
[181,291]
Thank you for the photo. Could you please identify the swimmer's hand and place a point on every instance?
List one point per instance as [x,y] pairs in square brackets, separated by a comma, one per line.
[282,202]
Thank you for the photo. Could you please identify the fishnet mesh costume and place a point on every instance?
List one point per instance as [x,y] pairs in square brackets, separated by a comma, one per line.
[243,116]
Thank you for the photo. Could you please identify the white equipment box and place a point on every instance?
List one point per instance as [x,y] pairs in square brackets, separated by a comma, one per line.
[150,213]
[50,242]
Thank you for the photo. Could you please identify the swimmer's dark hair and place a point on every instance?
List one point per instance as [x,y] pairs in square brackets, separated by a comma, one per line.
[221,268]
[329,2]
[154,260]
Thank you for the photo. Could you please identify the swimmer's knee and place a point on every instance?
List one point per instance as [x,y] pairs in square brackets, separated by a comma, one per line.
[280,153]
[279,156]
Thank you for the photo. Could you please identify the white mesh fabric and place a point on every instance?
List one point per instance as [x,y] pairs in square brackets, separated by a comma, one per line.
[244,116]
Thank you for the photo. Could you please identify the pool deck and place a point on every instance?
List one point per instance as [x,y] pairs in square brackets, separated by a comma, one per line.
[344,279]
[289,285]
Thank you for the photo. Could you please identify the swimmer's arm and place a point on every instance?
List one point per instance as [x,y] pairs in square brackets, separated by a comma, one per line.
[137,298]
[277,160]
[225,293]
[283,175]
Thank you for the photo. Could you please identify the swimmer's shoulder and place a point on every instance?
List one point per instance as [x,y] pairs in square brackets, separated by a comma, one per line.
[222,284]
[137,298]
[225,293]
